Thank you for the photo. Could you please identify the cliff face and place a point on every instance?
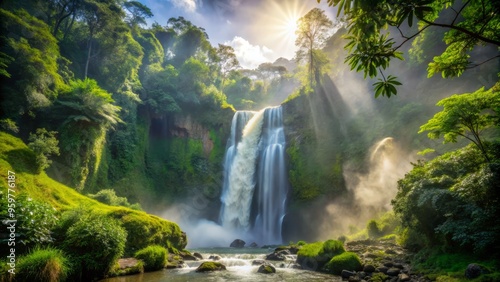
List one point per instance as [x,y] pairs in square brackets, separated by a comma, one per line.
[315,136]
[184,126]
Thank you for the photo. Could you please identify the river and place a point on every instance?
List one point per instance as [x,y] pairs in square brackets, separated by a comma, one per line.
[239,268]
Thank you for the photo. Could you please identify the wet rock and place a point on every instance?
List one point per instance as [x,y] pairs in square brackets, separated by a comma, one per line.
[198,255]
[370,255]
[214,257]
[266,269]
[258,262]
[238,243]
[279,256]
[254,245]
[393,271]
[369,268]
[186,256]
[347,273]
[210,266]
[296,266]
[473,271]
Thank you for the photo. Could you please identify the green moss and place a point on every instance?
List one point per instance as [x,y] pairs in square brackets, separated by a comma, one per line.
[315,255]
[145,229]
[347,260]
[135,269]
[154,257]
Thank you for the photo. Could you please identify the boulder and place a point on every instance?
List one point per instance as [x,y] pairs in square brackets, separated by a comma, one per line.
[266,269]
[198,255]
[279,256]
[404,277]
[258,262]
[393,271]
[214,257]
[238,243]
[186,256]
[210,266]
[254,245]
[473,271]
[382,269]
[369,268]
[346,273]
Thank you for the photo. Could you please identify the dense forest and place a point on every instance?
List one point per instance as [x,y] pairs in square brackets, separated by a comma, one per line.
[105,117]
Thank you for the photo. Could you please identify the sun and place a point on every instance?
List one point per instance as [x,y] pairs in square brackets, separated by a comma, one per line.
[290,25]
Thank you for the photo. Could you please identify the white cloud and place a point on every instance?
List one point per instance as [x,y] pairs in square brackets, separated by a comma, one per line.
[250,56]
[186,5]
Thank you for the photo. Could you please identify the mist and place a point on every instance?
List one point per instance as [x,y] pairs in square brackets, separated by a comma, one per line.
[372,191]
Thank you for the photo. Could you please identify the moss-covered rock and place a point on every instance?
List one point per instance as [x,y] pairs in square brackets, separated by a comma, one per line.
[315,255]
[345,261]
[266,269]
[210,266]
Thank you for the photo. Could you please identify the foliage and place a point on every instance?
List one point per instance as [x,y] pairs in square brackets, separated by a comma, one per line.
[109,197]
[43,264]
[9,125]
[469,25]
[95,243]
[344,261]
[466,115]
[435,263]
[30,54]
[452,201]
[44,144]
[35,220]
[154,257]
[373,229]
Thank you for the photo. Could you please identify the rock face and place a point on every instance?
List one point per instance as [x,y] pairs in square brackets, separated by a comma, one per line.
[266,269]
[238,243]
[186,127]
[210,266]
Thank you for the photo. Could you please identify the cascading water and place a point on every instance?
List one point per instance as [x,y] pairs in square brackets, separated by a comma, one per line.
[257,160]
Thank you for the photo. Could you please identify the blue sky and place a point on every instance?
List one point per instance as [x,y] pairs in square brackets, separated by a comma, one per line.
[259,30]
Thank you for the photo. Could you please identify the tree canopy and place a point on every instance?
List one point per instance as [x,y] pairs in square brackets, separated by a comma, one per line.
[468,26]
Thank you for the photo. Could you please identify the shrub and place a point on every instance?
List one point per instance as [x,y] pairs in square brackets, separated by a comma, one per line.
[44,265]
[154,257]
[332,248]
[95,243]
[347,260]
[34,222]
[109,197]
[373,229]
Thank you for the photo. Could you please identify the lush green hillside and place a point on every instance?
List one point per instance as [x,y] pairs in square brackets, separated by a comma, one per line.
[144,229]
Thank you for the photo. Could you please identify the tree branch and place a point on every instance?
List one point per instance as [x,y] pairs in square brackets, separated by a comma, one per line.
[463,30]
[409,38]
[459,12]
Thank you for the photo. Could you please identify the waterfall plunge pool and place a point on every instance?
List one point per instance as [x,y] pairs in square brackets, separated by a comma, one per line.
[239,268]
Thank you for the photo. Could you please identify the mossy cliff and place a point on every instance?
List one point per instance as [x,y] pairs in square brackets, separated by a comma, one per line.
[156,159]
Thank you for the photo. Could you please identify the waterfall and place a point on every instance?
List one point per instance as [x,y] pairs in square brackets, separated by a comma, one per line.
[272,183]
[255,181]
